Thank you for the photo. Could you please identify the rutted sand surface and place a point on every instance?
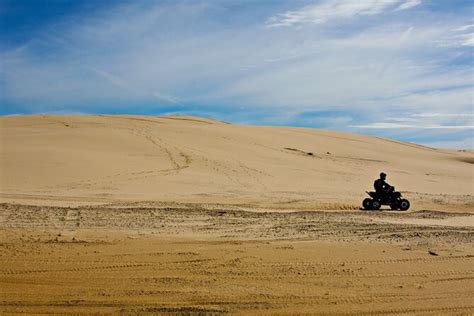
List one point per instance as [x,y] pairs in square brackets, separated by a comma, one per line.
[458,221]
[215,259]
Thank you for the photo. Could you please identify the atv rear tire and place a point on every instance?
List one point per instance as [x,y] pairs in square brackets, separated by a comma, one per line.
[404,205]
[367,204]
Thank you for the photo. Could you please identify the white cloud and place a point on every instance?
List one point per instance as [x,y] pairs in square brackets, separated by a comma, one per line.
[462,36]
[465,143]
[388,125]
[337,9]
[383,125]
[440,100]
[122,83]
[165,97]
[374,68]
[444,115]
[466,39]
[424,121]
[408,5]
[463,28]
[115,80]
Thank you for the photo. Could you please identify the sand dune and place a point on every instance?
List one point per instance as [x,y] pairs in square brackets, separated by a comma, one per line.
[105,158]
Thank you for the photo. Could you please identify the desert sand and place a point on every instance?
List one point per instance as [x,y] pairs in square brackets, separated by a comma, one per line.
[186,215]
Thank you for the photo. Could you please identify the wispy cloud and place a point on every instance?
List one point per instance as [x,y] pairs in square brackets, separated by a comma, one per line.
[337,9]
[408,5]
[115,80]
[165,97]
[388,125]
[462,36]
[427,120]
[463,143]
[464,28]
[122,83]
[444,115]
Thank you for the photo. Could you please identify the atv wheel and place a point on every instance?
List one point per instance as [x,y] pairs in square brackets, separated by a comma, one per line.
[404,204]
[367,204]
[376,205]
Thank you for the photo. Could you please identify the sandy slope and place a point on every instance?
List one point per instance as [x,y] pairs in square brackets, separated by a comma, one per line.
[76,159]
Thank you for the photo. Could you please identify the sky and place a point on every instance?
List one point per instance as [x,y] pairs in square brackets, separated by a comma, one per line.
[401,69]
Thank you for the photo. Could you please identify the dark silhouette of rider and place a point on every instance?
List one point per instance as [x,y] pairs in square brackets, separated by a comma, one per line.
[382,188]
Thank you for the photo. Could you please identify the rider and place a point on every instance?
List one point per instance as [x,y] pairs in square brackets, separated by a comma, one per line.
[382,188]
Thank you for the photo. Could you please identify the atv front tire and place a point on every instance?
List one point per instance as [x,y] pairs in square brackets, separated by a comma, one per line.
[367,204]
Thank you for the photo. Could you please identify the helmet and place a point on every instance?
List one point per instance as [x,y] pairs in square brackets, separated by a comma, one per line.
[383,175]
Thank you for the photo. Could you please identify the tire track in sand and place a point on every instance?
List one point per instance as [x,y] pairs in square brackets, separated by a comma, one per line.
[75,269]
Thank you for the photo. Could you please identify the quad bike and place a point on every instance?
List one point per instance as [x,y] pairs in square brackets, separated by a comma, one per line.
[392,198]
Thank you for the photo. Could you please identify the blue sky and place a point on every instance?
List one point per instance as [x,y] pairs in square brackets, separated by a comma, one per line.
[392,68]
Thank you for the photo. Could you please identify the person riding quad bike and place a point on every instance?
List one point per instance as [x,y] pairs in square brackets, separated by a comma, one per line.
[382,188]
[385,194]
